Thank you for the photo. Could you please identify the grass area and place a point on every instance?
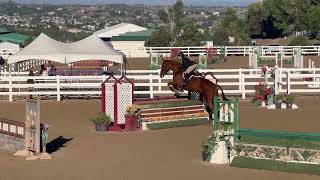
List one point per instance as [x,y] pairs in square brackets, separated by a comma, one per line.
[174,124]
[245,162]
[170,104]
[281,142]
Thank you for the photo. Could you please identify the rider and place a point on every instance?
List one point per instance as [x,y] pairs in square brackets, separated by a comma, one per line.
[188,65]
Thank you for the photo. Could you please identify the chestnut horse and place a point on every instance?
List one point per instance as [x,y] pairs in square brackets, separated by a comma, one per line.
[196,84]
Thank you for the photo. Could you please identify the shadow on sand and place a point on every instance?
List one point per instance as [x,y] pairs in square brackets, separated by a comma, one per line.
[57,143]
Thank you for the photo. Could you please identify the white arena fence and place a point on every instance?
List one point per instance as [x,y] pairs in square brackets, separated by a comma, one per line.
[6,52]
[20,68]
[148,83]
[237,50]
[197,50]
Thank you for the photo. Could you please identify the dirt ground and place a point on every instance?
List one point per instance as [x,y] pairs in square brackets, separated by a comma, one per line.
[232,62]
[81,153]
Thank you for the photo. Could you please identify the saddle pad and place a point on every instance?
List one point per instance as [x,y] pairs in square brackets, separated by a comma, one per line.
[209,77]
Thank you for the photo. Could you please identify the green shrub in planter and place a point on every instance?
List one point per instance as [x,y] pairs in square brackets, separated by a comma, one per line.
[290,101]
[256,102]
[101,121]
[209,147]
[278,100]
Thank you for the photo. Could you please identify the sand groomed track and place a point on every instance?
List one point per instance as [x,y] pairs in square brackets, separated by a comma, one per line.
[157,155]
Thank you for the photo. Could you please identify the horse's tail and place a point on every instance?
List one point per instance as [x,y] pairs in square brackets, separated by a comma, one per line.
[222,94]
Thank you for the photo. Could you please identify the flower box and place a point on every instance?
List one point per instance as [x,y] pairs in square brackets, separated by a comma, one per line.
[131,122]
[101,127]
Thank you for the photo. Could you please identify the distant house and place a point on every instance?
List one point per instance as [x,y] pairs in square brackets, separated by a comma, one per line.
[12,37]
[109,32]
[127,38]
[130,38]
[132,43]
[10,42]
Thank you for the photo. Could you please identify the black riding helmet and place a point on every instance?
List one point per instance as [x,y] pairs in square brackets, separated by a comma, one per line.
[181,54]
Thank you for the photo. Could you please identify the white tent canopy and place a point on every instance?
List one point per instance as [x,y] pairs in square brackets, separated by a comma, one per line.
[46,48]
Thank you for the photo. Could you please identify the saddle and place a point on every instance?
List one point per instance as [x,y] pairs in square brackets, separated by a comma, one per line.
[209,76]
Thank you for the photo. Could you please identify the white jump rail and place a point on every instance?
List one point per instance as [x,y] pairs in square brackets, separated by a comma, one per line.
[148,83]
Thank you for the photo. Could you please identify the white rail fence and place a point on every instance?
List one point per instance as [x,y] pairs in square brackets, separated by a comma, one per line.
[190,51]
[21,67]
[239,82]
[6,52]
[238,50]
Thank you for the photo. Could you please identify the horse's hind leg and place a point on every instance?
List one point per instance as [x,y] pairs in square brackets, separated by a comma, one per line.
[209,108]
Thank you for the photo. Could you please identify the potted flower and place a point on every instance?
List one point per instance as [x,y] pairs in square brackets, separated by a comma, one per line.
[101,121]
[209,147]
[131,117]
[206,153]
[278,101]
[290,101]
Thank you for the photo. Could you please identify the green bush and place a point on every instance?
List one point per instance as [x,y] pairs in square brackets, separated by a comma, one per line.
[279,98]
[101,118]
[300,41]
[245,162]
[290,99]
[175,124]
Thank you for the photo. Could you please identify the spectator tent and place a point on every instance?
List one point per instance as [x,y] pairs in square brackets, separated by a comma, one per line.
[46,48]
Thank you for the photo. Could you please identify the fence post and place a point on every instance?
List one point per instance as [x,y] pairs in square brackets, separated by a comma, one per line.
[276,76]
[151,86]
[159,86]
[243,88]
[280,80]
[188,51]
[58,88]
[240,80]
[10,88]
[288,83]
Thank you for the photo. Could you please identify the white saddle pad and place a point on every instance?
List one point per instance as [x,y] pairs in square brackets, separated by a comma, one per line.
[208,76]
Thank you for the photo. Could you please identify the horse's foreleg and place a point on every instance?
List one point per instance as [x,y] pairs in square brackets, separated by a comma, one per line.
[173,87]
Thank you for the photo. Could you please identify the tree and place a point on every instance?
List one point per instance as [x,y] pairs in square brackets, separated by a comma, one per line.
[164,17]
[300,41]
[254,19]
[190,36]
[229,16]
[101,25]
[159,38]
[313,20]
[176,19]
[220,36]
[231,26]
[176,31]
[239,30]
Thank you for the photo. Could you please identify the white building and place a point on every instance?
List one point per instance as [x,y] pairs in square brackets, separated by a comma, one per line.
[107,33]
[127,38]
[7,48]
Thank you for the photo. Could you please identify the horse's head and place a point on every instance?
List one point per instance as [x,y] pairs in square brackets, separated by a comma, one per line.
[165,67]
[168,65]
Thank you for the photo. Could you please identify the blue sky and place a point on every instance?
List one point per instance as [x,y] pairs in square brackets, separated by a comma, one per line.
[152,2]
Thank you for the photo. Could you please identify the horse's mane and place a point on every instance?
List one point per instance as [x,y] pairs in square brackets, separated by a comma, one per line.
[173,62]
